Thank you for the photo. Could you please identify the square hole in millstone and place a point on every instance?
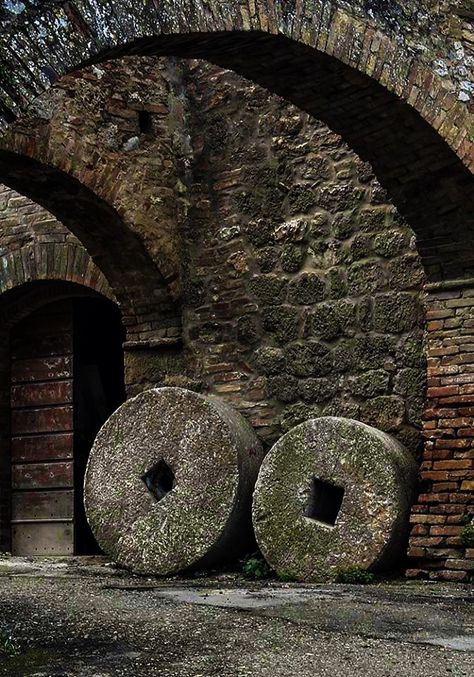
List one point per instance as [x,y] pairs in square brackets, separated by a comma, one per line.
[159,479]
[325,502]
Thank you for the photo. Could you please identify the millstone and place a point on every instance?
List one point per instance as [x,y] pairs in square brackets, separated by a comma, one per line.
[169,482]
[333,493]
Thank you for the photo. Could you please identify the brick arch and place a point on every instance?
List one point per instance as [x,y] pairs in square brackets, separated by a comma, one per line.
[356,70]
[132,277]
[18,302]
[48,262]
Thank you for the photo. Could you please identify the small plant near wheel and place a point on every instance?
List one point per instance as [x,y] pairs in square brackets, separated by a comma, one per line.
[8,644]
[255,567]
[354,574]
[467,535]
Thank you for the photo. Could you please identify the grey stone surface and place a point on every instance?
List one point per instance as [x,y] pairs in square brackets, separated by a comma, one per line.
[88,619]
[378,477]
[205,518]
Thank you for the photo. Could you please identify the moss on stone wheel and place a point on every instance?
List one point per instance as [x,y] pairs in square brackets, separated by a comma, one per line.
[333,493]
[169,482]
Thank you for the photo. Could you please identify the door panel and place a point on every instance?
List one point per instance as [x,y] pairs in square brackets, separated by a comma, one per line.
[43,475]
[41,394]
[44,420]
[42,445]
[42,369]
[43,538]
[42,505]
[29,449]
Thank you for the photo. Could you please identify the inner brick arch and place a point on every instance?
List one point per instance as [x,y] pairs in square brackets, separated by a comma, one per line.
[47,262]
[342,67]
[134,279]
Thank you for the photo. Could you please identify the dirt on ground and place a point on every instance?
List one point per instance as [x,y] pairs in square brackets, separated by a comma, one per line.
[84,617]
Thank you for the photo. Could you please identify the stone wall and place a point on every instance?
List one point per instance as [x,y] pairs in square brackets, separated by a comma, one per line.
[300,279]
[302,285]
[442,540]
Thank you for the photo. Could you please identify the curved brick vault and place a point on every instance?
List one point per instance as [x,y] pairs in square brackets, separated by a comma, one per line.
[383,75]
[121,257]
[51,261]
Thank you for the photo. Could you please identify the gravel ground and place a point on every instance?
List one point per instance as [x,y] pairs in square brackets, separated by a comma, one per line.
[83,617]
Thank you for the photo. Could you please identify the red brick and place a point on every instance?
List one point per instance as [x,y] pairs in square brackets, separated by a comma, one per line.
[453,464]
[436,476]
[443,553]
[427,519]
[448,575]
[440,314]
[444,486]
[454,422]
[433,498]
[453,444]
[444,391]
[459,399]
[454,541]
[444,531]
[461,564]
[416,573]
[425,541]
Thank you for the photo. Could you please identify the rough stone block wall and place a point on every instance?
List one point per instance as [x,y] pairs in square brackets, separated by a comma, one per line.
[440,547]
[302,282]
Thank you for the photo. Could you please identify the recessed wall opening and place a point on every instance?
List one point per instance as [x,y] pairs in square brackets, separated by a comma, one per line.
[145,122]
[324,502]
[160,480]
[66,378]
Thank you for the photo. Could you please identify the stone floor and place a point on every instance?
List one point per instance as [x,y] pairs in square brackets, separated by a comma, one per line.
[84,617]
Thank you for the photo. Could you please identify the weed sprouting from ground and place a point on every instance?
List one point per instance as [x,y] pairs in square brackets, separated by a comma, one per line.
[9,645]
[255,567]
[354,574]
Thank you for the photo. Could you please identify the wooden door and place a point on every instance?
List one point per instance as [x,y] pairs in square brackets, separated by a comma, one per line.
[42,432]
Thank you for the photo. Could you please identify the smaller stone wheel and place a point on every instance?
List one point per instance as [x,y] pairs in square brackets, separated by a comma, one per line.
[169,482]
[333,493]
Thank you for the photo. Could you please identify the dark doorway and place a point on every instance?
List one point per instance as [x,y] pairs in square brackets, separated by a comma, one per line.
[66,380]
[98,391]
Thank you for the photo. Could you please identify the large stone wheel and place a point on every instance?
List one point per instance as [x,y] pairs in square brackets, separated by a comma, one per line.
[169,482]
[331,494]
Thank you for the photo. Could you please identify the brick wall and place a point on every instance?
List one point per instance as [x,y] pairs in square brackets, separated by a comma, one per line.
[439,547]
[110,141]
